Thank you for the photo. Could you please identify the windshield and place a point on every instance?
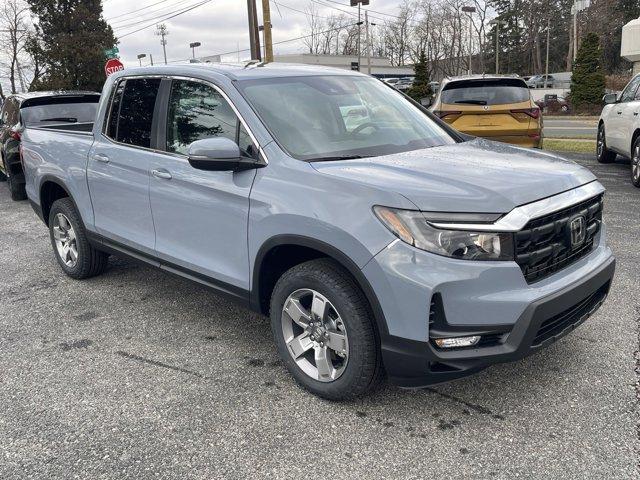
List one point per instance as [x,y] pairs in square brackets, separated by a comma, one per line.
[331,117]
[57,113]
[485,92]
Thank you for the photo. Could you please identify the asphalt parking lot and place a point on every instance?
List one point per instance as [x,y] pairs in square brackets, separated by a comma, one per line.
[137,374]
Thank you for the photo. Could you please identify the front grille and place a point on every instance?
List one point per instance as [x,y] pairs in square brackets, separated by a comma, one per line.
[571,317]
[543,246]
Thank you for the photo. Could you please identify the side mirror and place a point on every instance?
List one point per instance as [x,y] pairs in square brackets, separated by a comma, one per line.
[610,98]
[218,154]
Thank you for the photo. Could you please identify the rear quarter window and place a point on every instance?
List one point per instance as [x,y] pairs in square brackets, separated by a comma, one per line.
[486,92]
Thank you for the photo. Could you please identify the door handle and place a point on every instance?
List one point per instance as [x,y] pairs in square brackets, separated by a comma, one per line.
[635,114]
[162,173]
[620,112]
[101,158]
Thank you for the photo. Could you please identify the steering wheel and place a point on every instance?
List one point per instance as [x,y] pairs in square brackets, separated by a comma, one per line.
[359,128]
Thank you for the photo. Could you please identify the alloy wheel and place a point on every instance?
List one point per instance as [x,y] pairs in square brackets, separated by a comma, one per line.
[635,163]
[65,238]
[315,335]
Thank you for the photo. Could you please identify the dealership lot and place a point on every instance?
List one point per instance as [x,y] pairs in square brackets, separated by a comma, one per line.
[138,374]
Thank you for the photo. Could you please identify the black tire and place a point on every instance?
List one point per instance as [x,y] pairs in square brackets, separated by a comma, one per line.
[90,261]
[17,190]
[635,163]
[363,370]
[603,154]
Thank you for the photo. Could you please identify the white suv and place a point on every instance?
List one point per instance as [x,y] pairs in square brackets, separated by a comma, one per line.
[619,128]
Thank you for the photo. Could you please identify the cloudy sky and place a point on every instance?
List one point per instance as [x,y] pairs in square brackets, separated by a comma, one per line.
[220,25]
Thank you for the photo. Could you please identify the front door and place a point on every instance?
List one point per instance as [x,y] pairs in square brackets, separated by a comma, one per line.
[620,116]
[201,216]
[119,163]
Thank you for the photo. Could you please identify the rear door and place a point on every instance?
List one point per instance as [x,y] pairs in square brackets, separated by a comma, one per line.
[201,216]
[119,163]
[493,108]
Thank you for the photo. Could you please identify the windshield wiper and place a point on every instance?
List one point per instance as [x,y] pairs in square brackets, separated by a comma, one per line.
[60,119]
[472,102]
[342,157]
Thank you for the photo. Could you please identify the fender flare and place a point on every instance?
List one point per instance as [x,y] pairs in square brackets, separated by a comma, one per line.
[331,252]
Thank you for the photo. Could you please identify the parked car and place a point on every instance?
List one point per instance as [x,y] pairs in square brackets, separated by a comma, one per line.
[391,81]
[390,245]
[404,84]
[619,128]
[495,107]
[541,81]
[49,109]
[553,103]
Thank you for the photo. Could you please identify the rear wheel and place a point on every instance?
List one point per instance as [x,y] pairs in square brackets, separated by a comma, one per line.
[604,155]
[76,256]
[635,163]
[323,331]
[16,189]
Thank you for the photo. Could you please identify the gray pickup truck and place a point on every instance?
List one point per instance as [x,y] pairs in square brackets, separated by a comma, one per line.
[378,240]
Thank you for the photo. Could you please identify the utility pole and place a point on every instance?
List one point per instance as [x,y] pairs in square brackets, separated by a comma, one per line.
[151,59]
[161,31]
[470,10]
[254,36]
[575,32]
[546,68]
[368,44]
[268,40]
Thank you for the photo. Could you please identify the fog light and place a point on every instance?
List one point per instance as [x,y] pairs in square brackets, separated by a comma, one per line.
[457,342]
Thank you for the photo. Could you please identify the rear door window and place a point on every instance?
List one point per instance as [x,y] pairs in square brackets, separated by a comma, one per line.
[135,116]
[486,92]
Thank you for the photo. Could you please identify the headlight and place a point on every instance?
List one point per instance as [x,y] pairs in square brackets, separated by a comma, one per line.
[413,228]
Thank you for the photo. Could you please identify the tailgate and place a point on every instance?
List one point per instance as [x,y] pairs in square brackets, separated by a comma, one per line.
[490,120]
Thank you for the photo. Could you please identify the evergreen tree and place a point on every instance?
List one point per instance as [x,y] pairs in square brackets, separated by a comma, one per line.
[421,88]
[71,37]
[587,80]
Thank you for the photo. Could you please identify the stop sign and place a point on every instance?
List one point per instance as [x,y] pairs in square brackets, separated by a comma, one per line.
[112,66]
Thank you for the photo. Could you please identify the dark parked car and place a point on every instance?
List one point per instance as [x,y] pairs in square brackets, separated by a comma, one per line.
[44,109]
[553,103]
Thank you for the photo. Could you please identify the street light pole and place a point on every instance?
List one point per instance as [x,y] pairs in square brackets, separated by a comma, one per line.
[497,22]
[353,3]
[254,36]
[470,10]
[193,47]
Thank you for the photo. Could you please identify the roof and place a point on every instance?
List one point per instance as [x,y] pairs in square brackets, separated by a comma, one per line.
[240,71]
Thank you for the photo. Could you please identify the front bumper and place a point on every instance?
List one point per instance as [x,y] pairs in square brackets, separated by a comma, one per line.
[484,298]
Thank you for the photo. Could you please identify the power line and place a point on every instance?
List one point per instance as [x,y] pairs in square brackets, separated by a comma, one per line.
[137,10]
[149,19]
[167,18]
[342,27]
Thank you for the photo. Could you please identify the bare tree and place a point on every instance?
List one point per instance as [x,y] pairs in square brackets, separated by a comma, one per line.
[14,30]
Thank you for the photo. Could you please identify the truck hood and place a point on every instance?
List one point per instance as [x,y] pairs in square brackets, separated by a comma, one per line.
[475,176]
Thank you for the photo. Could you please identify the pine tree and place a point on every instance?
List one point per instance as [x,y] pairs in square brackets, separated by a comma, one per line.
[587,79]
[71,38]
[421,88]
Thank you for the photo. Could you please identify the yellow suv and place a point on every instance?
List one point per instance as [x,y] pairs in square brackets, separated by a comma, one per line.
[495,107]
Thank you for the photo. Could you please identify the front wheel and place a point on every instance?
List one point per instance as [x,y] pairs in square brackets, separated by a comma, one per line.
[603,154]
[635,163]
[323,330]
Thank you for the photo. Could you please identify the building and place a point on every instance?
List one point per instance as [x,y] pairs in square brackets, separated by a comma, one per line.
[630,46]
[380,67]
